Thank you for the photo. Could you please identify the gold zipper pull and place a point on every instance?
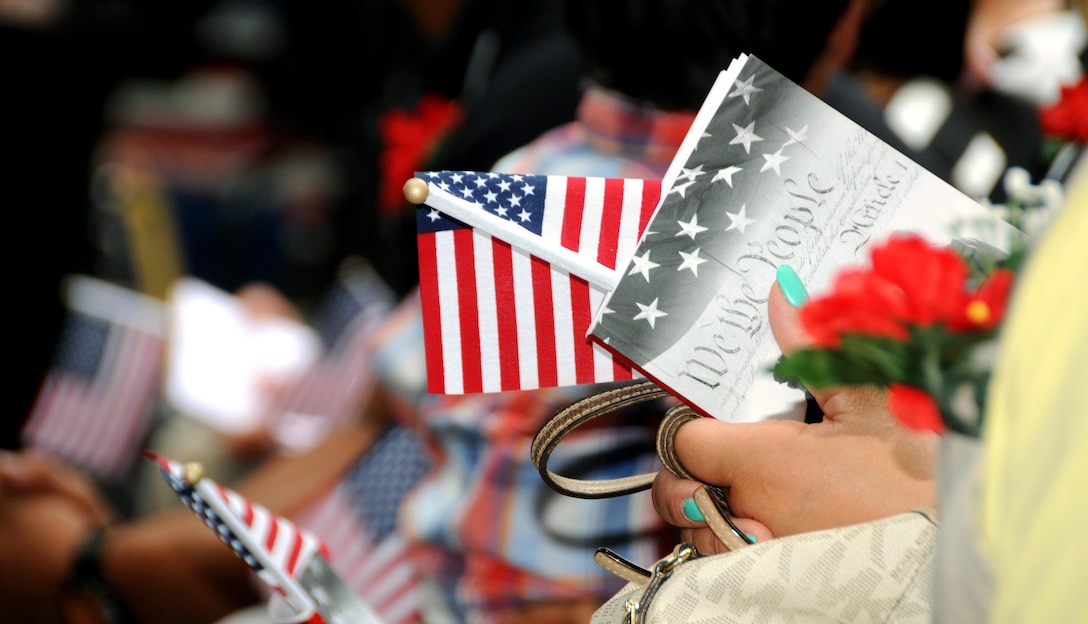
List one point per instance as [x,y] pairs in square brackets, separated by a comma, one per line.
[636,608]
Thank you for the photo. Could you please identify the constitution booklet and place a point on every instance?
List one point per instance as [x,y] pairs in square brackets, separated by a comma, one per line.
[768,175]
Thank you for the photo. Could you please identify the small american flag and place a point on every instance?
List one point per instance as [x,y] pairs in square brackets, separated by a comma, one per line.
[330,392]
[512,269]
[357,520]
[281,554]
[97,402]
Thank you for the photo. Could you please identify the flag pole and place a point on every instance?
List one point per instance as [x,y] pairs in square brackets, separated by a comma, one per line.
[518,237]
[193,474]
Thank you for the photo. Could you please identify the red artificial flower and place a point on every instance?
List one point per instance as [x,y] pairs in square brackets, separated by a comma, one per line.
[914,409]
[985,309]
[911,283]
[861,302]
[933,279]
[1067,118]
[409,137]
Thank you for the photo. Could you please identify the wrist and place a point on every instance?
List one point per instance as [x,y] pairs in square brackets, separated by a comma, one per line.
[87,595]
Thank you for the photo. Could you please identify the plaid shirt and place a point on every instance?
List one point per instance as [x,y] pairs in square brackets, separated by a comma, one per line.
[486,528]
[613,137]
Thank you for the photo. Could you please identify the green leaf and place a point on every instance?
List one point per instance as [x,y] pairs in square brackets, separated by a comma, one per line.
[823,368]
[888,359]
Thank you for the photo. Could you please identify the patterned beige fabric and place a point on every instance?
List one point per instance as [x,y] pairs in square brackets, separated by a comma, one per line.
[873,572]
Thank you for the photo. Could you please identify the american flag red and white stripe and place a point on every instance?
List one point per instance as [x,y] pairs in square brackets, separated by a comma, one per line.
[357,519]
[378,572]
[97,402]
[508,298]
[272,546]
[332,389]
[277,550]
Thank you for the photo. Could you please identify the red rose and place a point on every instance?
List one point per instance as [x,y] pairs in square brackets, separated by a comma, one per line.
[914,409]
[911,282]
[860,303]
[1068,117]
[409,137]
[933,279]
[986,308]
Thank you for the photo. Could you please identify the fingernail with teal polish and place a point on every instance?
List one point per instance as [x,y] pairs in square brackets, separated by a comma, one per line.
[691,510]
[752,538]
[791,286]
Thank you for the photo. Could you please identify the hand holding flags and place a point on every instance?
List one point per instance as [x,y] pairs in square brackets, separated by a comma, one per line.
[285,557]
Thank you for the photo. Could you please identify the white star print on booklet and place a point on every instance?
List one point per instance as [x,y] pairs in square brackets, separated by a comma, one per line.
[768,175]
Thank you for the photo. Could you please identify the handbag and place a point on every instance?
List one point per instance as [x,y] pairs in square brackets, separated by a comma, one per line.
[878,571]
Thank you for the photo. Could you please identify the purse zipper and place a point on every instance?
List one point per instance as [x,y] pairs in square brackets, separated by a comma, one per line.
[637,607]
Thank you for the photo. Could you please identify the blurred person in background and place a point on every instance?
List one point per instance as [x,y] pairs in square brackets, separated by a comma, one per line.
[1026,48]
[398,85]
[63,60]
[930,103]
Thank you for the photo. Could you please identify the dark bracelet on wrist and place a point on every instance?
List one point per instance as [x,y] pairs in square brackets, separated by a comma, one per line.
[87,576]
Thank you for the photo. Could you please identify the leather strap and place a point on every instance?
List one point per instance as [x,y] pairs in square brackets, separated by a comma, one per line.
[577,414]
[621,567]
[589,408]
[666,438]
[710,500]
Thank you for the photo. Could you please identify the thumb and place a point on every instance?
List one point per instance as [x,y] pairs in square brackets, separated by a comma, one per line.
[783,310]
[784,303]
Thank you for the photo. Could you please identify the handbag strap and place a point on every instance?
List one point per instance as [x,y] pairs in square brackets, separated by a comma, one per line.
[581,412]
[573,416]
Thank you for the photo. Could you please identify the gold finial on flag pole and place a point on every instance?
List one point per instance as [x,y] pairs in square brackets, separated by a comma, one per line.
[415,191]
[193,472]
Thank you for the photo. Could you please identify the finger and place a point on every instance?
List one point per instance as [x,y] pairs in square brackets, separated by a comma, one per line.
[704,540]
[36,471]
[785,322]
[790,334]
[671,496]
[708,543]
[723,454]
[675,501]
[784,318]
[754,529]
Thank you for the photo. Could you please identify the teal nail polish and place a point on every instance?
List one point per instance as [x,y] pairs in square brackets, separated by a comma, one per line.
[691,510]
[752,537]
[791,286]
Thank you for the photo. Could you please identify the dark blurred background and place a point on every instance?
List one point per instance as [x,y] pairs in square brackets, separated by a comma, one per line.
[242,141]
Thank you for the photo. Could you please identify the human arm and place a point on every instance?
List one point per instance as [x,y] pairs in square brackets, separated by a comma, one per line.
[213,582]
[785,477]
[164,568]
[46,509]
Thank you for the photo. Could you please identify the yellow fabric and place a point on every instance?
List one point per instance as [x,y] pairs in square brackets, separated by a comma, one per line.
[1035,488]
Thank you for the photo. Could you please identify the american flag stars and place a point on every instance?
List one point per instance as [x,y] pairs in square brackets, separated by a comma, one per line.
[746,136]
[507,196]
[642,264]
[690,228]
[726,174]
